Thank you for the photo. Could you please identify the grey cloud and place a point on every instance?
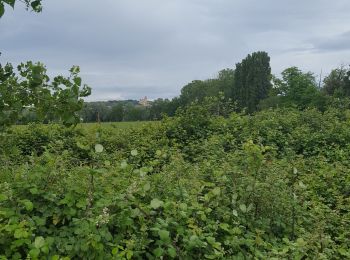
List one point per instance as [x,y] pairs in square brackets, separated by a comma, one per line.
[334,43]
[340,42]
[131,92]
[161,45]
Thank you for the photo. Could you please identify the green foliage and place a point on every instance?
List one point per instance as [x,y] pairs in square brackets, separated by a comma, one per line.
[272,186]
[31,89]
[124,110]
[252,80]
[205,184]
[295,89]
[337,83]
[34,5]
[198,90]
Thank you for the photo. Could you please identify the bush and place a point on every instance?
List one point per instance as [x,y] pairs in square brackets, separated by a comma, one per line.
[273,185]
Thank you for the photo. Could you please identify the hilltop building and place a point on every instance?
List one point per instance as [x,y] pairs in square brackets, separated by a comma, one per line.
[144,102]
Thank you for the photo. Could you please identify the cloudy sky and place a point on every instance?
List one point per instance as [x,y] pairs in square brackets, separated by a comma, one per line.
[132,48]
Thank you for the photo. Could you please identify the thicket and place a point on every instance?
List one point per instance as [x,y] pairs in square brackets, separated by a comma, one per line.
[197,186]
[209,183]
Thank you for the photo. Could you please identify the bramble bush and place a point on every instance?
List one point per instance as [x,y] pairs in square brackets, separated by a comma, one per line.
[274,185]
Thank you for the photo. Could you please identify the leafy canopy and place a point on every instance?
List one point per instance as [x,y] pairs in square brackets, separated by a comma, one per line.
[252,80]
[31,89]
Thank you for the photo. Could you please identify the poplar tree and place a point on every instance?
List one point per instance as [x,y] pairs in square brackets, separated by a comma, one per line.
[252,80]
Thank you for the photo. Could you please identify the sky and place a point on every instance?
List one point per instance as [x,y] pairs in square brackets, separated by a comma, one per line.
[128,49]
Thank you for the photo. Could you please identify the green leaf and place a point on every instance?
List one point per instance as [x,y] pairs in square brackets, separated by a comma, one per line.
[34,253]
[235,213]
[115,251]
[234,197]
[172,252]
[295,170]
[81,203]
[98,148]
[216,191]
[302,185]
[107,163]
[250,207]
[164,236]
[39,242]
[2,9]
[77,81]
[3,197]
[143,171]
[343,251]
[158,252]
[156,203]
[300,242]
[36,5]
[129,254]
[83,147]
[224,226]
[147,186]
[134,153]
[28,205]
[123,164]
[243,208]
[20,233]
[34,190]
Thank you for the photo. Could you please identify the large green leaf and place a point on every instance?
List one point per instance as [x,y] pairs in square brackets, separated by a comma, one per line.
[164,236]
[156,203]
[39,242]
[28,205]
[98,148]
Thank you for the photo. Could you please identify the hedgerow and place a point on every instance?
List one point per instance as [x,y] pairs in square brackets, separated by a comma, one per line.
[274,185]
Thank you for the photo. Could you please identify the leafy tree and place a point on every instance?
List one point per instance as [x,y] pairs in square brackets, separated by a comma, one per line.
[159,107]
[295,88]
[173,105]
[334,82]
[198,90]
[225,81]
[31,89]
[337,83]
[136,113]
[252,80]
[347,84]
[117,113]
[96,111]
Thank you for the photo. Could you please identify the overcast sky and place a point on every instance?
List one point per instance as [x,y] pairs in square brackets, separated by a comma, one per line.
[132,48]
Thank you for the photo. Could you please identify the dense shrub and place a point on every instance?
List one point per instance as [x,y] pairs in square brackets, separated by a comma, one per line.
[272,186]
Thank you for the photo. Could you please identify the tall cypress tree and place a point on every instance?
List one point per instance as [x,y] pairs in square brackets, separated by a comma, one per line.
[252,80]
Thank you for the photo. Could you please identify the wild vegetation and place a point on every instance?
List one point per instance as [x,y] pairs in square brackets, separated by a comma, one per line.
[272,185]
[249,166]
[250,86]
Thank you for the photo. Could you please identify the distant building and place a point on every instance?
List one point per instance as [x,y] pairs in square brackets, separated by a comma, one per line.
[144,102]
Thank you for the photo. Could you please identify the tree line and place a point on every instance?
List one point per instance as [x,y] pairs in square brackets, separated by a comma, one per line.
[250,87]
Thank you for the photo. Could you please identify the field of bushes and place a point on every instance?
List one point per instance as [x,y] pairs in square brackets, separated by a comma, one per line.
[275,185]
